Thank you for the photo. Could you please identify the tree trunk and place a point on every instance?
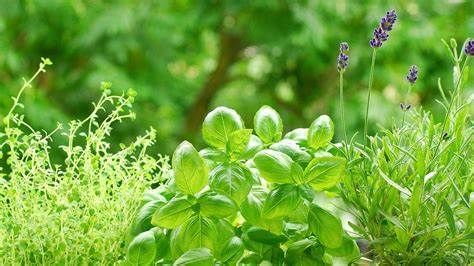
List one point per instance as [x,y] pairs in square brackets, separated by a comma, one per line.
[230,46]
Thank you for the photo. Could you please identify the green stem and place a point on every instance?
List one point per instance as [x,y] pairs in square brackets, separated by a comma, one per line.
[341,104]
[405,103]
[450,107]
[371,78]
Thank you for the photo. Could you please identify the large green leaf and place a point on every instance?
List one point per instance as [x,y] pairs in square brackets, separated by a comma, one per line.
[219,125]
[320,132]
[238,141]
[274,166]
[196,257]
[263,236]
[282,201]
[174,213]
[254,145]
[296,249]
[162,242]
[291,148]
[251,208]
[232,251]
[268,125]
[233,180]
[142,221]
[299,135]
[213,204]
[348,249]
[324,172]
[190,170]
[325,226]
[142,249]
[197,232]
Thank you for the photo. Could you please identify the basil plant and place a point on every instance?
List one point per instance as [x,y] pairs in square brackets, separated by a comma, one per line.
[247,199]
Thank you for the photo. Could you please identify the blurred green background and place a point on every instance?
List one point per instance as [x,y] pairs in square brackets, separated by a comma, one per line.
[185,57]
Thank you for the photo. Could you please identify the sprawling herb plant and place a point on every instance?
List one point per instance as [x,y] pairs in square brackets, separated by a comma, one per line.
[246,198]
[410,188]
[75,211]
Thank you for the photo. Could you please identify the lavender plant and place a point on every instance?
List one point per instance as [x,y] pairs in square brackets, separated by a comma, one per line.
[410,188]
[380,36]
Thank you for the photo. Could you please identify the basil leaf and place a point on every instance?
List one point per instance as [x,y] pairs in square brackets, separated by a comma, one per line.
[299,135]
[174,213]
[142,249]
[239,140]
[263,236]
[291,148]
[232,251]
[324,172]
[251,208]
[142,222]
[197,232]
[348,249]
[296,249]
[282,201]
[190,171]
[219,125]
[162,243]
[274,166]
[268,125]
[320,132]
[254,145]
[325,226]
[233,180]
[217,205]
[196,257]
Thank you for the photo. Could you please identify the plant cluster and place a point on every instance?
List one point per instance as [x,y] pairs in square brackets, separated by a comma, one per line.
[75,211]
[410,187]
[247,198]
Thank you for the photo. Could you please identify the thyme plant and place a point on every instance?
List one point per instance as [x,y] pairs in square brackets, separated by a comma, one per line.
[76,211]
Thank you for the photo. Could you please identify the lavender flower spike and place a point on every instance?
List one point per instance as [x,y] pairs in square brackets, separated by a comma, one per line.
[412,75]
[381,32]
[344,47]
[343,58]
[469,48]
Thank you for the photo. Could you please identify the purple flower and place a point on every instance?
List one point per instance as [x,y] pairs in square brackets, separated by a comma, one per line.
[387,22]
[381,32]
[344,47]
[412,75]
[343,58]
[469,48]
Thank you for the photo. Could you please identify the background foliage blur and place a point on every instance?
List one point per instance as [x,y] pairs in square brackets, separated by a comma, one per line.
[185,57]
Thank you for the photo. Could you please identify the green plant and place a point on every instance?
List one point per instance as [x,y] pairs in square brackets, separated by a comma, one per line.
[245,199]
[74,211]
[410,188]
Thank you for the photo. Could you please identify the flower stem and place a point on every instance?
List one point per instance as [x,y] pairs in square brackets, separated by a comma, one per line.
[341,104]
[450,107]
[371,79]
